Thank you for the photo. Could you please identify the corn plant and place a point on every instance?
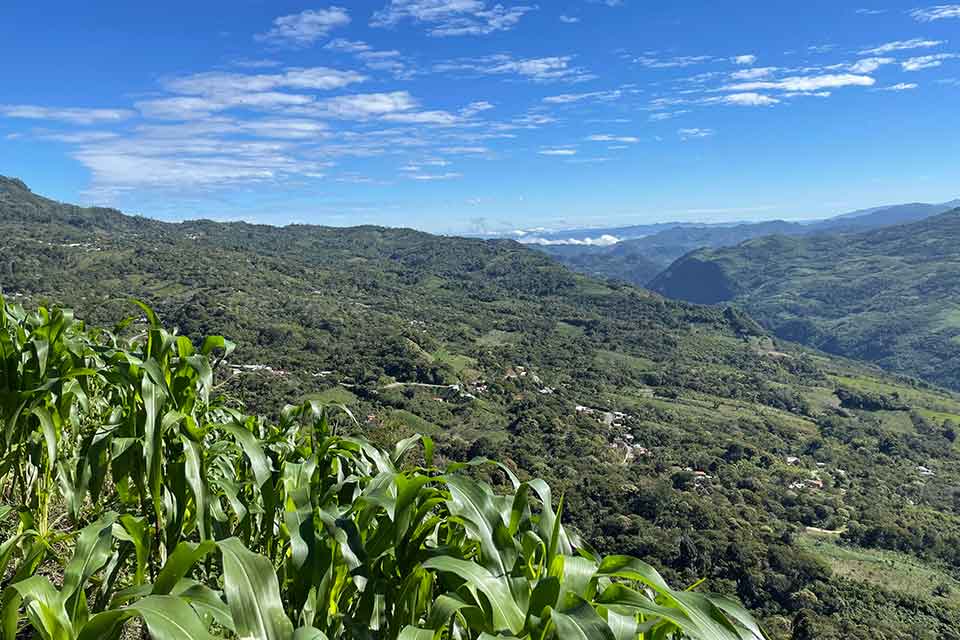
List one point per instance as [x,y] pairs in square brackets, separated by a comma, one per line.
[132,492]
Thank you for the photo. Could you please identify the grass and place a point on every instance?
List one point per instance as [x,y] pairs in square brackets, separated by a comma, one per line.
[888,570]
[623,360]
[929,399]
[459,363]
[334,395]
[567,329]
[497,338]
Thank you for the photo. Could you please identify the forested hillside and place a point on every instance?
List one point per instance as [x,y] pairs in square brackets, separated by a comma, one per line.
[890,296]
[820,492]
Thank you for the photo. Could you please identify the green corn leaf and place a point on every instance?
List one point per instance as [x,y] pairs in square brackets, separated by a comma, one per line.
[474,503]
[92,551]
[253,450]
[309,633]
[196,480]
[413,633]
[623,626]
[506,613]
[170,618]
[253,594]
[184,558]
[45,608]
[205,601]
[632,569]
[581,622]
[740,615]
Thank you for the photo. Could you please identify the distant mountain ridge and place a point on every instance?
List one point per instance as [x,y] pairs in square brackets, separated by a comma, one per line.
[639,259]
[889,295]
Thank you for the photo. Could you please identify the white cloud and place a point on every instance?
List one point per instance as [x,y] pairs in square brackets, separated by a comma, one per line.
[869,65]
[805,83]
[367,105]
[466,150]
[567,98]
[870,12]
[213,83]
[902,45]
[558,152]
[475,108]
[745,60]
[553,68]
[344,45]
[667,115]
[72,115]
[305,28]
[926,62]
[688,134]
[902,86]
[671,63]
[612,138]
[193,107]
[569,19]
[939,12]
[748,99]
[427,177]
[451,17]
[605,240]
[441,118]
[754,74]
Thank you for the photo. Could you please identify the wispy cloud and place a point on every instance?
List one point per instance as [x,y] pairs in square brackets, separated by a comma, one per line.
[558,152]
[390,61]
[72,115]
[433,177]
[603,137]
[653,62]
[869,65]
[746,60]
[747,99]
[902,86]
[217,83]
[754,74]
[927,62]
[567,98]
[203,94]
[902,45]
[569,19]
[805,83]
[305,28]
[451,17]
[938,12]
[553,68]
[690,134]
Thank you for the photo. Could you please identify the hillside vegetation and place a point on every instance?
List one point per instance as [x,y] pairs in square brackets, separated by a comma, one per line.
[676,433]
[890,296]
[145,497]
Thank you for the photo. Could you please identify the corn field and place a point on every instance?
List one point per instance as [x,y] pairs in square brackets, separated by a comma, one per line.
[137,503]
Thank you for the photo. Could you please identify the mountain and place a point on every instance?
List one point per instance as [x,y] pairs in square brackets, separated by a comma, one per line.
[638,259]
[892,214]
[890,296]
[811,487]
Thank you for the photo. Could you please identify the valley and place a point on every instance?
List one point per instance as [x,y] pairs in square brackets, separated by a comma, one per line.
[681,434]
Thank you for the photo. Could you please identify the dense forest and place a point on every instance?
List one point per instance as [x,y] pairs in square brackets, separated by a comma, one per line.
[887,296]
[822,493]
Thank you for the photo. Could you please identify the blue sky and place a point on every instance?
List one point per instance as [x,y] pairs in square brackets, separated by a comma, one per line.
[459,115]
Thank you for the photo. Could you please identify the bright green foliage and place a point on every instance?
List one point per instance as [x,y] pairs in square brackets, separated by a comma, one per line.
[152,499]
